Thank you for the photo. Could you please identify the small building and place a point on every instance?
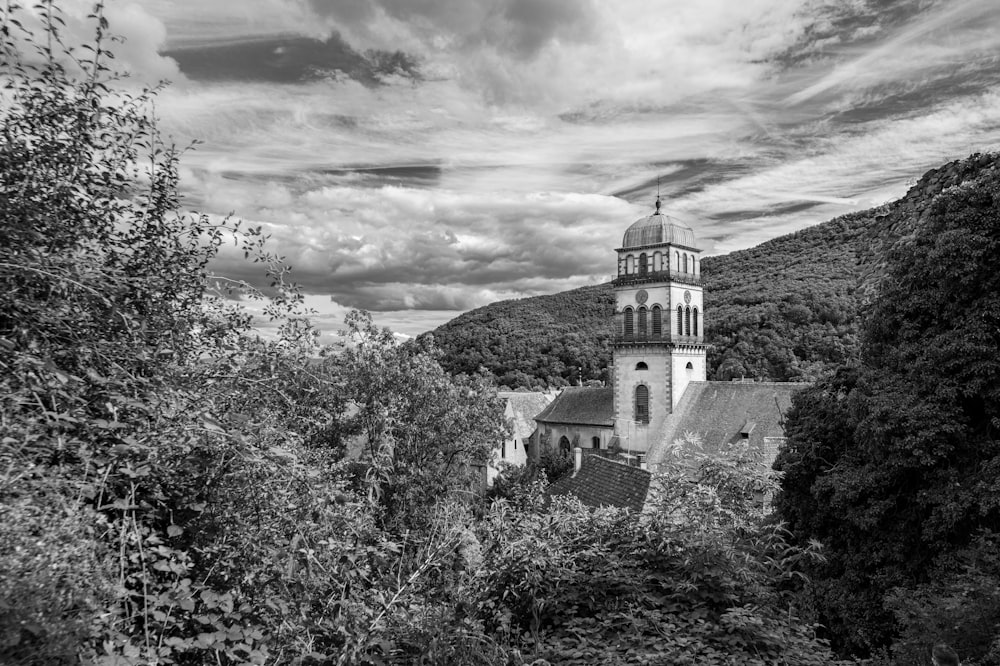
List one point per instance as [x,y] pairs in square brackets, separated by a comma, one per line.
[578,417]
[520,407]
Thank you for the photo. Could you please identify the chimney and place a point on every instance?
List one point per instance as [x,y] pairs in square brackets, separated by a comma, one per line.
[577,459]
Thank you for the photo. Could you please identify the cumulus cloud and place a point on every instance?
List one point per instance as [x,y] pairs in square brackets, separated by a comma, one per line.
[137,34]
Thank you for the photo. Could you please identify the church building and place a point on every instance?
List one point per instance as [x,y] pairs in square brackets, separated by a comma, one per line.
[659,390]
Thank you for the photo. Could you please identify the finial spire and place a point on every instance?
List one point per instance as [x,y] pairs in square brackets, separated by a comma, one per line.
[657,195]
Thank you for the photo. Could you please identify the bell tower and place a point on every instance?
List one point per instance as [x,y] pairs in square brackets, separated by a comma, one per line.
[659,342]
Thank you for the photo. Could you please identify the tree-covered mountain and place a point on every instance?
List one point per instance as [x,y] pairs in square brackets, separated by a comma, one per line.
[783,310]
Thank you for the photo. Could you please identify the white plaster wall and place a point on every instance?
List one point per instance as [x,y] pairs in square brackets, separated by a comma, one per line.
[682,376]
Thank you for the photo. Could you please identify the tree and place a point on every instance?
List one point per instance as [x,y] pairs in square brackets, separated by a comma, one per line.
[427,433]
[894,466]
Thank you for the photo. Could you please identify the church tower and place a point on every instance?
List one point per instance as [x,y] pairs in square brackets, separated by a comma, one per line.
[659,343]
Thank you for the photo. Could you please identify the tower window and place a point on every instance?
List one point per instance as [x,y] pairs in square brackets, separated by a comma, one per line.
[677,260]
[657,261]
[629,264]
[687,321]
[595,442]
[642,323]
[642,403]
[641,366]
[643,264]
[628,323]
[680,320]
[685,263]
[694,264]
[657,321]
[694,317]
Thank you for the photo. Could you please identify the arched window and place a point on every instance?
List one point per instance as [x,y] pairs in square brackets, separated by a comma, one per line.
[629,265]
[642,403]
[628,323]
[657,321]
[689,366]
[677,260]
[564,446]
[694,322]
[595,442]
[643,264]
[657,261]
[641,366]
[687,321]
[680,320]
[685,263]
[642,323]
[694,265]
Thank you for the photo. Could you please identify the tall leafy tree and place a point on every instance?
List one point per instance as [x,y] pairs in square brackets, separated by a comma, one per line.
[896,464]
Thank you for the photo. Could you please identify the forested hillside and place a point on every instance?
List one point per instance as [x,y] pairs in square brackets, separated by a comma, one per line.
[784,310]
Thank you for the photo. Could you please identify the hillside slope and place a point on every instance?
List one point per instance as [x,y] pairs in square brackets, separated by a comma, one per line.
[783,310]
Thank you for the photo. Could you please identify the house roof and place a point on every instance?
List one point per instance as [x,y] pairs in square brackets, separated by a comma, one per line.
[580,405]
[602,482]
[521,408]
[723,412]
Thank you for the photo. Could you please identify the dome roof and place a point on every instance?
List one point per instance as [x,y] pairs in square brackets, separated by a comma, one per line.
[658,229]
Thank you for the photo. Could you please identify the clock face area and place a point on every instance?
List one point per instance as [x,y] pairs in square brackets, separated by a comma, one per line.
[641,296]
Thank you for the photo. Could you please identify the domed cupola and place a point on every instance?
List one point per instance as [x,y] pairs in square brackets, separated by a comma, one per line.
[658,229]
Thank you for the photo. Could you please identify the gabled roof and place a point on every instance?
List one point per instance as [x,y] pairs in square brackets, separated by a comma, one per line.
[603,482]
[581,405]
[521,408]
[723,412]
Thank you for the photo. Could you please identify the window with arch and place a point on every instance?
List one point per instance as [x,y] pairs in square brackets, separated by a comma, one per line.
[657,321]
[687,321]
[657,261]
[642,403]
[629,323]
[629,264]
[694,321]
[643,264]
[685,263]
[595,442]
[564,446]
[689,366]
[677,260]
[641,365]
[694,264]
[680,320]
[642,322]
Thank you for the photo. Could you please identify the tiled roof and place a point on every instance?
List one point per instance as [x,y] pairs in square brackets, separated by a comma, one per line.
[603,482]
[522,408]
[580,405]
[719,412]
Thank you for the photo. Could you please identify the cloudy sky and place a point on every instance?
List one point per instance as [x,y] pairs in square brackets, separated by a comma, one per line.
[419,158]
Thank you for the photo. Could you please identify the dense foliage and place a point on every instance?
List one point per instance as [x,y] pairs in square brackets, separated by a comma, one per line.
[893,464]
[537,342]
[174,489]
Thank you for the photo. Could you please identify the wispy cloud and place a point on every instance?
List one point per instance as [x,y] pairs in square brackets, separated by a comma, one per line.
[424,157]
